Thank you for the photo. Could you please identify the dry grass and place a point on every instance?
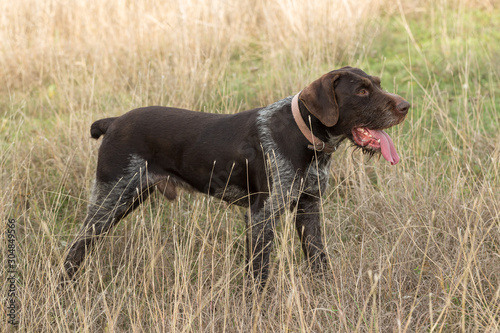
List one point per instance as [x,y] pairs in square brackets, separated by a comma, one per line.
[414,247]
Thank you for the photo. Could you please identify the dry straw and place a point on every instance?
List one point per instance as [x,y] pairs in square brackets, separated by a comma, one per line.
[412,248]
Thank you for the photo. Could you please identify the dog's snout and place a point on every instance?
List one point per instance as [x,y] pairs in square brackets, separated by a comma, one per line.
[403,107]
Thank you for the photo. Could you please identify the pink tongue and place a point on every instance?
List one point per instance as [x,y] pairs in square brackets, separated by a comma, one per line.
[386,146]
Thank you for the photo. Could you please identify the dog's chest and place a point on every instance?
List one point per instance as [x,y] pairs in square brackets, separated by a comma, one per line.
[316,176]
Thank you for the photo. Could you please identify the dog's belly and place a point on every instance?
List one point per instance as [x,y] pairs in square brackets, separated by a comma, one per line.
[233,194]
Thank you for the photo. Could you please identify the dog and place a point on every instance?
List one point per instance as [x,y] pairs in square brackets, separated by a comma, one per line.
[266,159]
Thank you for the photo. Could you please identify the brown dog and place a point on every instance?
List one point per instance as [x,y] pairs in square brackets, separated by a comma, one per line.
[266,159]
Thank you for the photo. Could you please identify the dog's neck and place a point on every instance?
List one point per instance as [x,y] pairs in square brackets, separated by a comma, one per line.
[308,123]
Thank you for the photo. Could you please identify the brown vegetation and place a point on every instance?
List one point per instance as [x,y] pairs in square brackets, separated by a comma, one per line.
[415,247]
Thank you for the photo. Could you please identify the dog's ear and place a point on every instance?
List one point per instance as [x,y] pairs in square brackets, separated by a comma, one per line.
[319,98]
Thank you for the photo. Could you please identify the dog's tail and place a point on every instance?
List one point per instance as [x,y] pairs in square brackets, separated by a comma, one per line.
[100,127]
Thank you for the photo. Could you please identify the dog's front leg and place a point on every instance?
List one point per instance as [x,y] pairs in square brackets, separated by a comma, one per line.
[309,229]
[260,236]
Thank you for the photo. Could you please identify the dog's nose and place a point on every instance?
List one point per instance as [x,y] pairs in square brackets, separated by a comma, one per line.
[403,107]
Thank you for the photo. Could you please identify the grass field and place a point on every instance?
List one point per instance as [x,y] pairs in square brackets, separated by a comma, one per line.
[413,247]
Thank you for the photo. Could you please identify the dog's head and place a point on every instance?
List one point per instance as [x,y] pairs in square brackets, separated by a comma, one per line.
[352,104]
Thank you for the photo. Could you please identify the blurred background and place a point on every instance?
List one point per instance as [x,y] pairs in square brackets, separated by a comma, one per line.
[414,247]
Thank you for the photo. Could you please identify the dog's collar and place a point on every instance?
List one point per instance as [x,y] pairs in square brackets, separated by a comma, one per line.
[316,143]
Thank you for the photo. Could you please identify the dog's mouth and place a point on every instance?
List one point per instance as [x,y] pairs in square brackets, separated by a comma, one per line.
[375,140]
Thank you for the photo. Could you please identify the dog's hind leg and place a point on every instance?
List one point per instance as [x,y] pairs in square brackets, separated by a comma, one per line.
[109,203]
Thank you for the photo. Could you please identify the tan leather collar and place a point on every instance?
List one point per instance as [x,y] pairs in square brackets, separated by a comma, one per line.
[316,143]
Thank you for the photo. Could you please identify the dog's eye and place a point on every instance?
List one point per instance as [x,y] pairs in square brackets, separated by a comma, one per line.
[363,92]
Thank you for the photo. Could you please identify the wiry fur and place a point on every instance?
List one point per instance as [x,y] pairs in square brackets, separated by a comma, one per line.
[257,158]
[109,202]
